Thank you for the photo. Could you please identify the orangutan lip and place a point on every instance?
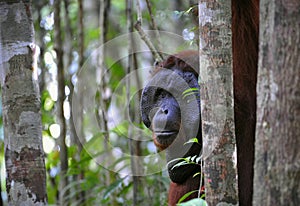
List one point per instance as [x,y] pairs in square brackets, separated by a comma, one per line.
[165,133]
[165,138]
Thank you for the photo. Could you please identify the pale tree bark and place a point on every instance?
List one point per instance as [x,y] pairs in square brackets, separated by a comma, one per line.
[277,154]
[24,156]
[219,143]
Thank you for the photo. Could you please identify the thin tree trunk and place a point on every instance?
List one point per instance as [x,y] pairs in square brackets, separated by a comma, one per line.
[60,104]
[81,33]
[102,113]
[103,99]
[277,154]
[154,26]
[42,33]
[68,43]
[101,68]
[1,199]
[24,155]
[80,142]
[134,144]
[219,143]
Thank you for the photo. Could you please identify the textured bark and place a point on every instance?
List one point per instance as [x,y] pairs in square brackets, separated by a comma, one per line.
[217,114]
[277,154]
[24,156]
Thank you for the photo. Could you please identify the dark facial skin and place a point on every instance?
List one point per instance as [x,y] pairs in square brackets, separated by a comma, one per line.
[165,122]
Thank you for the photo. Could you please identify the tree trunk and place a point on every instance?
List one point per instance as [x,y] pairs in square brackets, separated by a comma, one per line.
[63,150]
[133,136]
[24,156]
[219,144]
[277,154]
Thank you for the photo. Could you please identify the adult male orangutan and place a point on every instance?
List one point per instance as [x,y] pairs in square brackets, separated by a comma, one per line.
[170,106]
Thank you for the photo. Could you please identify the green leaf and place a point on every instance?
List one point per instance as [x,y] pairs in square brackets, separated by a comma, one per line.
[193,158]
[198,173]
[186,196]
[190,90]
[48,104]
[190,9]
[184,161]
[113,187]
[193,140]
[198,159]
[180,164]
[194,202]
[174,160]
